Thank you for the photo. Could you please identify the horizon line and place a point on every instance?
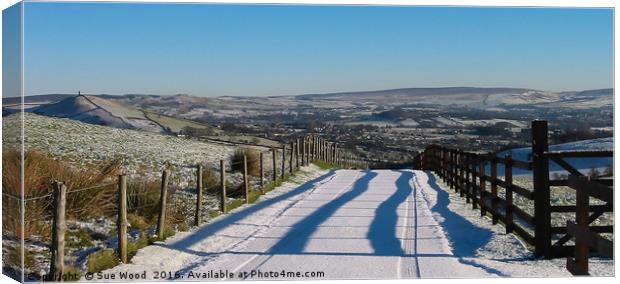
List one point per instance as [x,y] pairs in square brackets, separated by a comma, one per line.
[306,94]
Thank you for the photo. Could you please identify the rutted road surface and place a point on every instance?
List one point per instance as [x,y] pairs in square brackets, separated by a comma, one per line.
[344,224]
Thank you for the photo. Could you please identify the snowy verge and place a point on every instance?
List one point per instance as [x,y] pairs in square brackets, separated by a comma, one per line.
[476,241]
[187,249]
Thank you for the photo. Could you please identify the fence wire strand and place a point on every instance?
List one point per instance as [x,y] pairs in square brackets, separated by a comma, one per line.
[90,187]
[15,197]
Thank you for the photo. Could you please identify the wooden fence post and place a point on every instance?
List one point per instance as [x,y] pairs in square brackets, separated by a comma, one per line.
[161,223]
[273,164]
[450,169]
[508,182]
[443,164]
[57,264]
[283,160]
[326,152]
[307,151]
[483,186]
[474,186]
[494,189]
[290,168]
[339,157]
[542,206]
[461,164]
[262,173]
[121,223]
[302,151]
[319,145]
[223,187]
[349,158]
[314,148]
[437,160]
[467,177]
[440,161]
[582,216]
[446,165]
[246,186]
[351,155]
[455,171]
[199,189]
[311,148]
[335,156]
[444,157]
[297,154]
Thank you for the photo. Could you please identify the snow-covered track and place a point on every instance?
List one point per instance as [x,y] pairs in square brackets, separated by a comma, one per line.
[345,224]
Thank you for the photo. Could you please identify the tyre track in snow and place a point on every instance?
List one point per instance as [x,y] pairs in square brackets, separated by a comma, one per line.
[383,200]
[261,259]
[352,225]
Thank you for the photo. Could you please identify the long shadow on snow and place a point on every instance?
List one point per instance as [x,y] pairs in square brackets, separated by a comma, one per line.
[234,217]
[382,231]
[465,237]
[296,239]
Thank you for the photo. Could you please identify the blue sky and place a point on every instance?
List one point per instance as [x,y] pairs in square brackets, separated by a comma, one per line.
[256,50]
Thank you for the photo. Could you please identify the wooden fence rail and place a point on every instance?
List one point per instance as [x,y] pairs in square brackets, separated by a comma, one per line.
[466,173]
[586,237]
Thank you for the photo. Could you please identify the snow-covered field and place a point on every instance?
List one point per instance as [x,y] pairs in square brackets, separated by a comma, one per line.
[89,144]
[584,165]
[144,155]
[348,224]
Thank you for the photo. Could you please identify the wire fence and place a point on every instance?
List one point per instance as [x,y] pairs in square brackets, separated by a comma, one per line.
[161,200]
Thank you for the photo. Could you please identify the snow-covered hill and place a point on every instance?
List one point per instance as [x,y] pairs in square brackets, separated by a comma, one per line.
[582,164]
[86,144]
[94,110]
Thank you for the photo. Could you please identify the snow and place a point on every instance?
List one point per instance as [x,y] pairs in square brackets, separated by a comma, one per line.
[409,122]
[351,224]
[480,243]
[582,164]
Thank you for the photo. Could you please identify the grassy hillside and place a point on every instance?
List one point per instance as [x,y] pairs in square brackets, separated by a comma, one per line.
[88,144]
[177,124]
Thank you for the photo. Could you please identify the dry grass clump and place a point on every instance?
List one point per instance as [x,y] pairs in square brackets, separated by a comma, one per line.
[40,169]
[253,160]
[211,181]
[143,198]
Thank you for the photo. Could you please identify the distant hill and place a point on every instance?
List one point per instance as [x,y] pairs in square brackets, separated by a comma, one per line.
[113,111]
[473,97]
[100,111]
[177,111]
[37,99]
[413,92]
